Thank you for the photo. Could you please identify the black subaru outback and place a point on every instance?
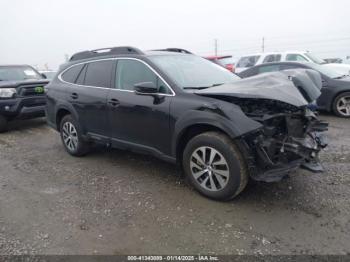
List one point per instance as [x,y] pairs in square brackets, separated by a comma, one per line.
[21,93]
[182,108]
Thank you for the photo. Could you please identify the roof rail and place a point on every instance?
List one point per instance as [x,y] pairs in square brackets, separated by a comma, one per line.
[174,49]
[120,50]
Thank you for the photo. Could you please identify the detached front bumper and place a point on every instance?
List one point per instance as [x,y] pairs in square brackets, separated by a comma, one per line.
[23,107]
[275,159]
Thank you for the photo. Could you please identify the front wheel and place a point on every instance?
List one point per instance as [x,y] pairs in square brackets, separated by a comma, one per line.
[341,105]
[71,136]
[3,124]
[215,166]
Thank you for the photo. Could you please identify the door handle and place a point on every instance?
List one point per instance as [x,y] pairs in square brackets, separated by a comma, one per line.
[74,96]
[114,102]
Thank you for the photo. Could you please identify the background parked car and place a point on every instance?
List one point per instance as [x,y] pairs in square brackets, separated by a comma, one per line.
[49,74]
[335,86]
[343,69]
[248,61]
[21,93]
[224,61]
[333,60]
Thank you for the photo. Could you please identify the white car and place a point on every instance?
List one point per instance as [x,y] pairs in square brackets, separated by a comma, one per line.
[248,61]
[343,69]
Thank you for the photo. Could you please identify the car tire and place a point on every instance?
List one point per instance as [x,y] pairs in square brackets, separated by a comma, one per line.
[215,166]
[341,105]
[71,136]
[3,124]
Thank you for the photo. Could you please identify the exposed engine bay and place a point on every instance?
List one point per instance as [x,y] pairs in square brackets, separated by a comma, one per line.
[291,135]
[289,139]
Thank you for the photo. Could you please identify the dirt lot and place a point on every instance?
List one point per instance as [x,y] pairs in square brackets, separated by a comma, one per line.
[115,202]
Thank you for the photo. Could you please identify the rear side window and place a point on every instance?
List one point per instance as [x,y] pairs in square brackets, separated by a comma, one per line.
[295,57]
[269,68]
[248,61]
[81,76]
[272,58]
[99,73]
[72,73]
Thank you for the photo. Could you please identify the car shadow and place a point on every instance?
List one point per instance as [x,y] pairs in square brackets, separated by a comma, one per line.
[20,125]
[169,173]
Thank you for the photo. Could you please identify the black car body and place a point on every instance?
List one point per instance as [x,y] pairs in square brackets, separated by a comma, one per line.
[21,93]
[183,108]
[335,90]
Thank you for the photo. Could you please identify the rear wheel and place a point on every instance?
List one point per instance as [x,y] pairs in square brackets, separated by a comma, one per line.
[3,124]
[71,136]
[215,166]
[341,105]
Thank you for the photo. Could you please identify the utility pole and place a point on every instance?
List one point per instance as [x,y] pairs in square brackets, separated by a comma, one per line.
[216,46]
[263,44]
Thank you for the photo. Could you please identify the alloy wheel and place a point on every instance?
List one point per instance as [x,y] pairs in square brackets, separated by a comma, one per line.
[343,106]
[209,168]
[70,136]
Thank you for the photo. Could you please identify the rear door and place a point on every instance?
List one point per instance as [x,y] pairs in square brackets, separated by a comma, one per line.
[89,96]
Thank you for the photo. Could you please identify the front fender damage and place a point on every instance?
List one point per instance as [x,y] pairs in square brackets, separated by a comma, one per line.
[291,135]
[286,142]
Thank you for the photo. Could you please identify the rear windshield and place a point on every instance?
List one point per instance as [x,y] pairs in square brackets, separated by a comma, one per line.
[18,73]
[248,61]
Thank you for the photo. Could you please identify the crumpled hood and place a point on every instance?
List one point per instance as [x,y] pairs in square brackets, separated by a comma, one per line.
[296,87]
[15,84]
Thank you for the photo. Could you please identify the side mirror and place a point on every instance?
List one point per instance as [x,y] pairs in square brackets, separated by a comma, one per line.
[43,75]
[146,88]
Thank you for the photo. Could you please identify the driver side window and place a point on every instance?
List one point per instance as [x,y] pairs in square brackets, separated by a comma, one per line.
[131,72]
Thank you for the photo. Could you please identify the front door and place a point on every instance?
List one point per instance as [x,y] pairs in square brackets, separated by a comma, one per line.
[139,121]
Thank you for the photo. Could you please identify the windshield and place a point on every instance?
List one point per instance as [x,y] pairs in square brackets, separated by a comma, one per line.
[326,70]
[315,59]
[190,71]
[15,73]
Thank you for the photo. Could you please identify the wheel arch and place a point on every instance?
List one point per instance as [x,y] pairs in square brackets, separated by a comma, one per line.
[188,132]
[61,112]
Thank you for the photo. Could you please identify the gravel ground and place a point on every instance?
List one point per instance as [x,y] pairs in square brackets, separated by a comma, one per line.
[116,202]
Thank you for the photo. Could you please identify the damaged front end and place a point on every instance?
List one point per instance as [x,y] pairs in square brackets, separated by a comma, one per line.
[291,135]
[289,139]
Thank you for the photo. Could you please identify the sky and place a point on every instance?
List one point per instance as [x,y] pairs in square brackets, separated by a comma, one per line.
[44,32]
